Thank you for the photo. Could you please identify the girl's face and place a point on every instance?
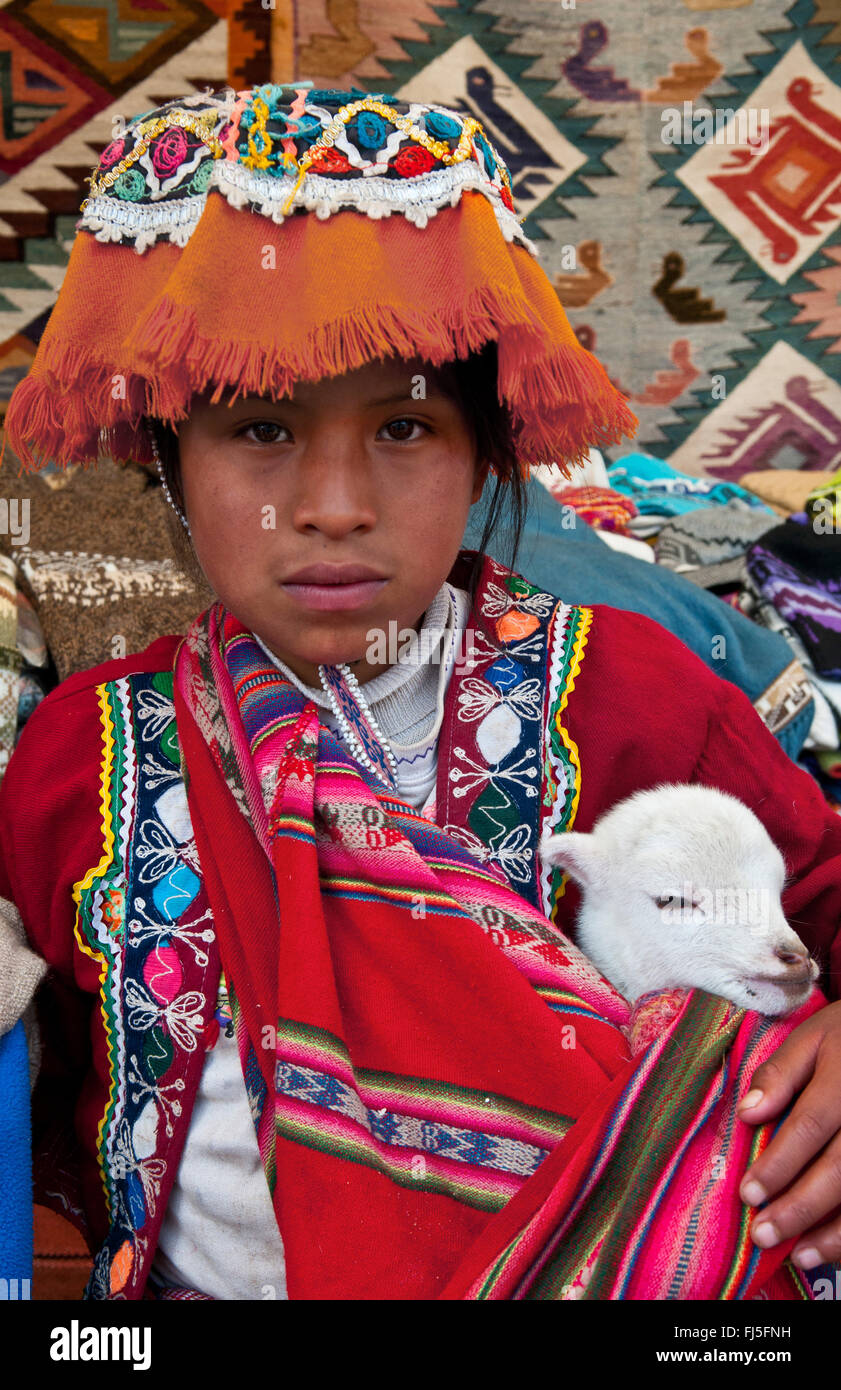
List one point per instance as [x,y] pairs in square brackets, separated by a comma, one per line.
[320,519]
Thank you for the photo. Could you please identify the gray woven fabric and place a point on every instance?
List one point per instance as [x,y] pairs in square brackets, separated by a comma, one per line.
[708,546]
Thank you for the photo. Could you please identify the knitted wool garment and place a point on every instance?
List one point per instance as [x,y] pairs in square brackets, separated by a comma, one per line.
[708,546]
[798,571]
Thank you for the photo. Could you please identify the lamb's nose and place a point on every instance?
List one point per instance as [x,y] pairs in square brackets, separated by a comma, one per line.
[792,958]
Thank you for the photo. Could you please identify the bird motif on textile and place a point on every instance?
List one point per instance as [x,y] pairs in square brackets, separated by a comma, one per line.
[683,305]
[576,290]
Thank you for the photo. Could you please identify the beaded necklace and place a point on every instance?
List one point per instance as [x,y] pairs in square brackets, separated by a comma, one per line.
[361,734]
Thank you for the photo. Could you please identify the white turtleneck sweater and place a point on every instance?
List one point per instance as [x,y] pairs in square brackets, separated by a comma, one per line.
[219,1234]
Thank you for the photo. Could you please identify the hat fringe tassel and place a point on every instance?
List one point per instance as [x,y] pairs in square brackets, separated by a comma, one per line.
[66,403]
[561,401]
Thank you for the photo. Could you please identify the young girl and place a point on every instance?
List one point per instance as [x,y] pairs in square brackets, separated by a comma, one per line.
[314,1026]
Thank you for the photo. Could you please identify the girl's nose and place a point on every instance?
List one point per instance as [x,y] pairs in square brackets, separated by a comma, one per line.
[335,495]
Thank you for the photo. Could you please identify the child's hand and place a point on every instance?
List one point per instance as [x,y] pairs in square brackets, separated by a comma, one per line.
[806,1148]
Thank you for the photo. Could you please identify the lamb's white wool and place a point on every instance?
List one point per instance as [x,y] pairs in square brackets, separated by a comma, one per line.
[680,888]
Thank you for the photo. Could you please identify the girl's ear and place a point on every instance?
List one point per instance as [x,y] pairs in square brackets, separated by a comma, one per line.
[580,855]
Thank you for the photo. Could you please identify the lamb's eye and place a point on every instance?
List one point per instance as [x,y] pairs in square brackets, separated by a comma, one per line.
[672,900]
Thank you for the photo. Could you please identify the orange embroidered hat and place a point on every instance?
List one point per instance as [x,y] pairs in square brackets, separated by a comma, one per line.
[253,239]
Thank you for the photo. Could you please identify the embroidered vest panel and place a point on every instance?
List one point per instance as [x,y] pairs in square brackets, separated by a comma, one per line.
[143,916]
[507,767]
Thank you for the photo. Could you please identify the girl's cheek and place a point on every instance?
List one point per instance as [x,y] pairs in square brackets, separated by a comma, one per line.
[229,541]
[234,514]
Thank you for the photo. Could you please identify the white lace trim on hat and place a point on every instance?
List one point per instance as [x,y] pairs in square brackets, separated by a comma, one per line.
[418,199]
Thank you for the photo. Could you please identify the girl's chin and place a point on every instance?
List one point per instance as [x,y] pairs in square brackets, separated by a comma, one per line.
[306,664]
[360,648]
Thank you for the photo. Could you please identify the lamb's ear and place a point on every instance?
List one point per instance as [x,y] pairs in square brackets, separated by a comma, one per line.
[581,856]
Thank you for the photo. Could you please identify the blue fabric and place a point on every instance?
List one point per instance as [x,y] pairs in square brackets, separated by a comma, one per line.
[657,489]
[15,1162]
[572,562]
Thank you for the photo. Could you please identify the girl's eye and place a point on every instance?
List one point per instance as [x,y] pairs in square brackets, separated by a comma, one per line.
[405,420]
[269,431]
[264,431]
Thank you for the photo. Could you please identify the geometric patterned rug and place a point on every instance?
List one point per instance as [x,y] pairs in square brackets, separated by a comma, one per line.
[678,163]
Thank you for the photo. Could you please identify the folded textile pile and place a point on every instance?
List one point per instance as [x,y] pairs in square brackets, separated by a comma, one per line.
[709,545]
[792,585]
[571,562]
[601,507]
[799,571]
[785,489]
[661,492]
[587,493]
[821,751]
[765,546]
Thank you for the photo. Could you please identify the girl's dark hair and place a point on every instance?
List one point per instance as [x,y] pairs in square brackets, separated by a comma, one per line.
[472,382]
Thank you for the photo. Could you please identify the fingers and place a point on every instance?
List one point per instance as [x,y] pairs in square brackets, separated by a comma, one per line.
[815,1118]
[822,1246]
[809,1208]
[819,1243]
[774,1084]
[813,1122]
[773,1087]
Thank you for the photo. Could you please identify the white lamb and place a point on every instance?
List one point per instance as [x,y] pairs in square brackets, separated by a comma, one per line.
[680,888]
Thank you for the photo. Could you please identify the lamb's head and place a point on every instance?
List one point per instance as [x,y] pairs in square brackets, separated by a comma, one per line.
[681,887]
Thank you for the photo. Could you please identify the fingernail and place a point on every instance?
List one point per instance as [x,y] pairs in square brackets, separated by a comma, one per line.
[807,1258]
[751,1099]
[753,1193]
[765,1235]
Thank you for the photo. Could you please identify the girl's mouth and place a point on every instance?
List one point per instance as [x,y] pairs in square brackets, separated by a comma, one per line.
[334,587]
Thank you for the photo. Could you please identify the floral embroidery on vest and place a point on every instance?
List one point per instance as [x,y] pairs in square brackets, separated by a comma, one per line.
[142,914]
[505,759]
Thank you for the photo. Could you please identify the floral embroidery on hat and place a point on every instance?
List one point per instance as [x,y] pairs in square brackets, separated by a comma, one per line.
[368,151]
